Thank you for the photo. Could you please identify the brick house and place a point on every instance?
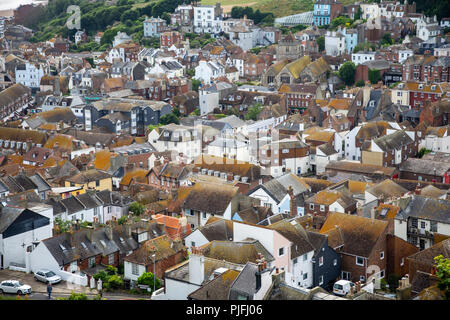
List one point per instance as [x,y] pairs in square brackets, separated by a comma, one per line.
[325,201]
[361,242]
[155,255]
[168,176]
[426,68]
[391,149]
[169,38]
[13,98]
[398,251]
[300,96]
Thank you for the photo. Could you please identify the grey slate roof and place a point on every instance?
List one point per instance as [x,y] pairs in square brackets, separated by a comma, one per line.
[393,141]
[438,168]
[424,208]
[72,205]
[7,216]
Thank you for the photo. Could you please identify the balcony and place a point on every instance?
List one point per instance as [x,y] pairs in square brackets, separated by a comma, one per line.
[420,233]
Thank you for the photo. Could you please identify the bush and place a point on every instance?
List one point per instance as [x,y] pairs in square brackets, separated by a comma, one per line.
[122,220]
[360,83]
[137,208]
[393,282]
[111,270]
[115,282]
[383,284]
[78,296]
[101,275]
[347,73]
[147,279]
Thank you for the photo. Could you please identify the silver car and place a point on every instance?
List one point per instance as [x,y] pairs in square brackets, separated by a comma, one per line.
[47,276]
[14,286]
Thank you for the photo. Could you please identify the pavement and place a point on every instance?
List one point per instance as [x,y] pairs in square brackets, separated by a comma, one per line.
[62,289]
[39,287]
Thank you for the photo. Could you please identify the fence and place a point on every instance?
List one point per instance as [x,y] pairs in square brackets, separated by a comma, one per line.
[74,278]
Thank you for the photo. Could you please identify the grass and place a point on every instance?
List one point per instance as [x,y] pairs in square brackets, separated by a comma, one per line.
[280,8]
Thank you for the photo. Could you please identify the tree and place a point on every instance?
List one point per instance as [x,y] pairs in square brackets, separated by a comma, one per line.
[374,76]
[321,43]
[423,152]
[387,40]
[147,279]
[253,112]
[122,220]
[443,274]
[166,16]
[347,73]
[195,84]
[137,208]
[115,282]
[169,118]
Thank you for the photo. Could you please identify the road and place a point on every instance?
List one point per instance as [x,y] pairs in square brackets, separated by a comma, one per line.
[106,296]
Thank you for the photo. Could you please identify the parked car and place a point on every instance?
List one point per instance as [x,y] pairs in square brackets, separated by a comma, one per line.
[342,287]
[14,286]
[47,276]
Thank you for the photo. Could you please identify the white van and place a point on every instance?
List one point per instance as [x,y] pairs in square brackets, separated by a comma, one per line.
[342,287]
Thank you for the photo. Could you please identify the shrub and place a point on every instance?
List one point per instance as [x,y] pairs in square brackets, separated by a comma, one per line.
[122,220]
[147,279]
[115,282]
[111,270]
[78,296]
[137,208]
[383,284]
[101,275]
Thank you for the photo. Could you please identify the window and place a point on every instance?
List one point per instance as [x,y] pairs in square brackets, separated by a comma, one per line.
[320,260]
[402,262]
[381,255]
[311,206]
[423,224]
[111,259]
[359,261]
[320,280]
[382,274]
[281,252]
[305,276]
[204,215]
[322,208]
[134,269]
[305,257]
[91,262]
[295,261]
[362,278]
[97,183]
[433,226]
[334,262]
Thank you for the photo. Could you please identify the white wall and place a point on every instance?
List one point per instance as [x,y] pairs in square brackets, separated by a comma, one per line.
[178,290]
[128,271]
[197,237]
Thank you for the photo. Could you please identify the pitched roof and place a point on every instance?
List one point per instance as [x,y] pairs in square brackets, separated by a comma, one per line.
[236,252]
[217,229]
[297,66]
[393,141]
[216,289]
[163,247]
[359,234]
[416,165]
[387,188]
[88,176]
[201,194]
[424,208]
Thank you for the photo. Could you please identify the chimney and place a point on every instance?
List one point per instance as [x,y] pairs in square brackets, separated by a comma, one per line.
[127,229]
[89,233]
[372,213]
[196,266]
[417,190]
[293,202]
[109,231]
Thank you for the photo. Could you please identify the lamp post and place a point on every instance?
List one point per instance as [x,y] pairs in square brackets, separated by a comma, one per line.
[154,275]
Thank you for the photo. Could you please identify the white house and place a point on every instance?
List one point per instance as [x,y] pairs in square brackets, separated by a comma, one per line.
[324,154]
[427,28]
[208,19]
[186,141]
[229,148]
[29,74]
[207,71]
[20,231]
[121,37]
[335,44]
[362,56]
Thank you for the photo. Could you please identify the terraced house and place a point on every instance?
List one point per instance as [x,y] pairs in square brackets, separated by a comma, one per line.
[13,98]
[90,179]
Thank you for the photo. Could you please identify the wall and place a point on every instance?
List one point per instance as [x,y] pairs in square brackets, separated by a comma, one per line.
[375,158]
[178,290]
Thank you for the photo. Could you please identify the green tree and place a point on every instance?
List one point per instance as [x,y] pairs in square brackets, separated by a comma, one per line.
[423,152]
[253,112]
[122,220]
[195,84]
[147,278]
[169,118]
[347,73]
[374,76]
[115,282]
[387,40]
[321,43]
[137,208]
[443,274]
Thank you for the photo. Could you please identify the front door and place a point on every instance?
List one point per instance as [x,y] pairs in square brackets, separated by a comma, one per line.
[1,261]
[345,275]
[422,244]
